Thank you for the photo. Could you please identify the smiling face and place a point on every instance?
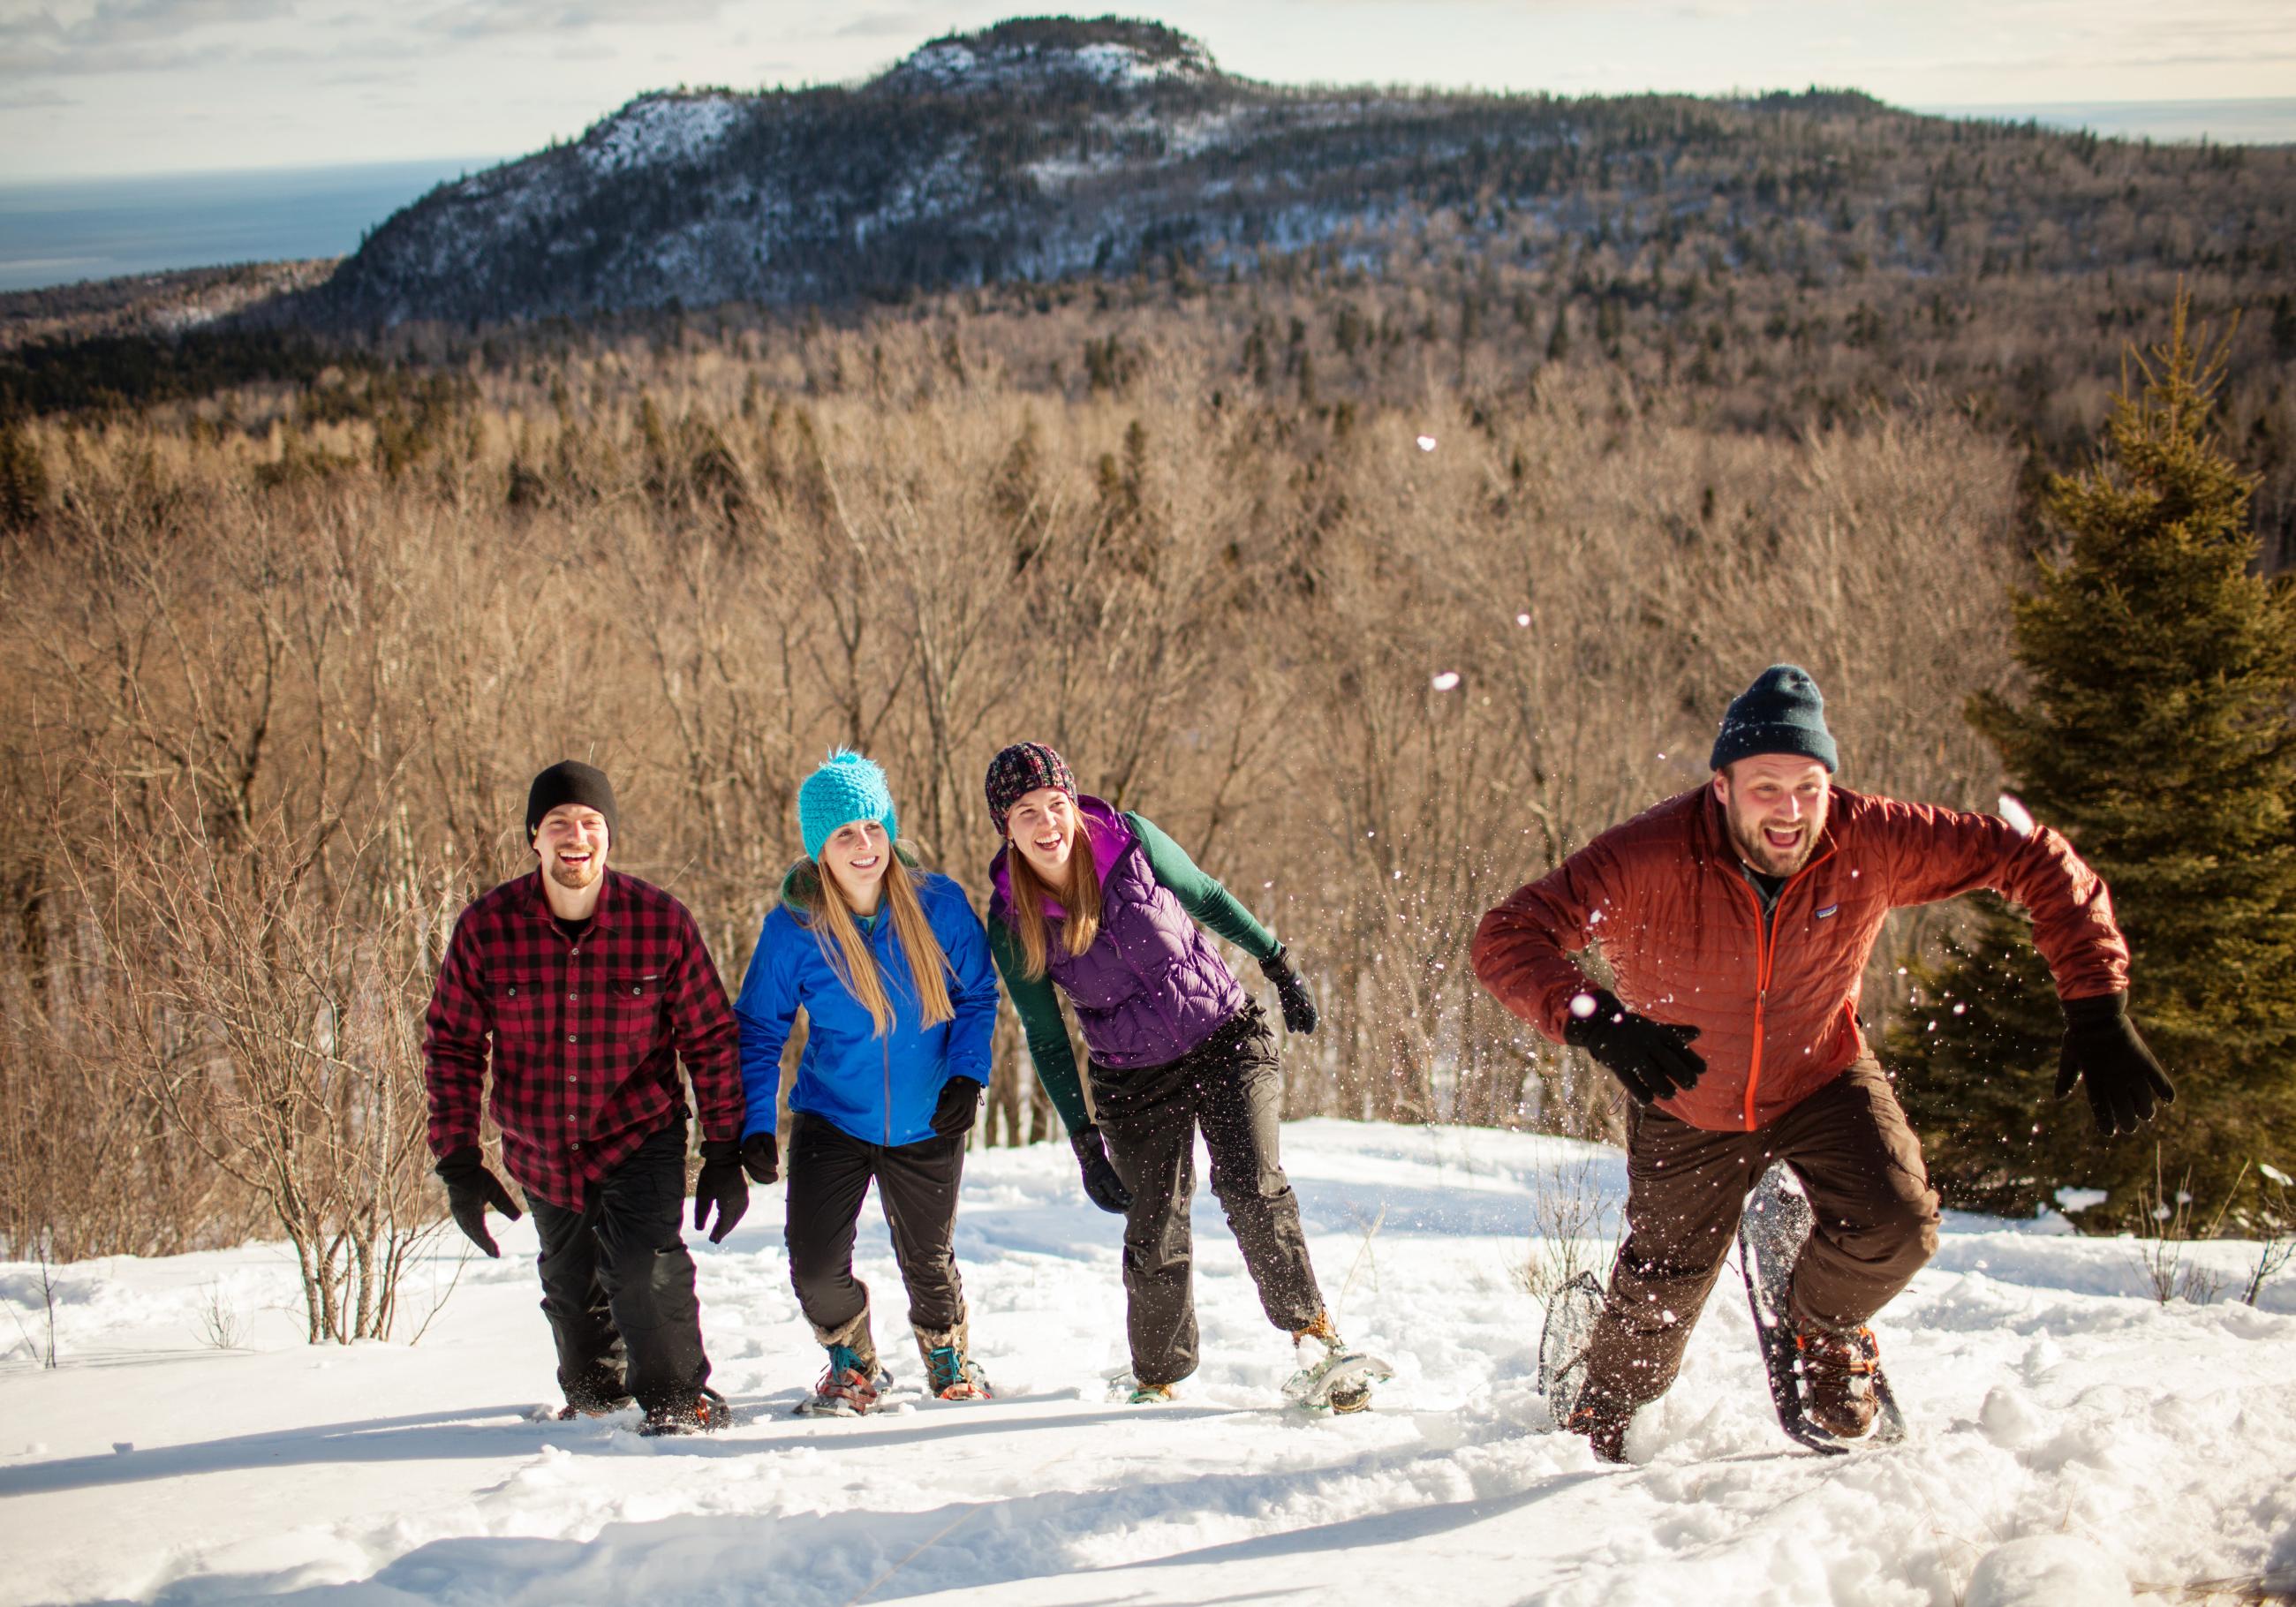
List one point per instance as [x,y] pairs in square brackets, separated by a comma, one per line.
[1043,826]
[855,857]
[1775,804]
[570,844]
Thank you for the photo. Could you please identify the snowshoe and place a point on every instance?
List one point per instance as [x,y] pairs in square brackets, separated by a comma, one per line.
[1124,1388]
[1332,1377]
[849,1386]
[574,1410]
[705,1412]
[1564,1341]
[1776,1224]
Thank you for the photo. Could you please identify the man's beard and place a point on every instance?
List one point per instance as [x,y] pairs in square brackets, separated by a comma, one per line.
[576,877]
[1757,853]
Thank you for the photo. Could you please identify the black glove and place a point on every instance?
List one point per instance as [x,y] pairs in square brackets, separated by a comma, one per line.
[720,1187]
[1298,1005]
[1653,1058]
[2102,1051]
[1102,1185]
[959,1104]
[762,1157]
[470,1188]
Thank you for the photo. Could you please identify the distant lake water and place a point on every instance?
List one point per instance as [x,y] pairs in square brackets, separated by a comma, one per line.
[62,233]
[2251,122]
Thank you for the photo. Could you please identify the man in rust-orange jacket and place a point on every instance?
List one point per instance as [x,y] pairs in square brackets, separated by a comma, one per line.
[1736,919]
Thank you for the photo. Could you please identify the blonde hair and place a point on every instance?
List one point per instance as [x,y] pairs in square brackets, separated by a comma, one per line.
[856,967]
[1080,898]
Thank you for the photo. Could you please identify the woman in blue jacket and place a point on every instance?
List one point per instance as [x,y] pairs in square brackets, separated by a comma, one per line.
[891,968]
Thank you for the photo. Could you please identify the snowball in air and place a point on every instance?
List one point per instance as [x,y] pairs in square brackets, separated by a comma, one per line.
[2014,812]
[1427,443]
[1523,618]
[1582,1005]
[1446,681]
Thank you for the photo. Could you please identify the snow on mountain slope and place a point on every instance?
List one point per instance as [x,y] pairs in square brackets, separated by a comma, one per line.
[2072,1438]
[656,129]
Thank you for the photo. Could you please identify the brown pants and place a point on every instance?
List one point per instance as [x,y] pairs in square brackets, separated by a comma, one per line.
[1861,1165]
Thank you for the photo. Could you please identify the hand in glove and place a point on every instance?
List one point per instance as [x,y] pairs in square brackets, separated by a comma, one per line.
[958,1105]
[1298,1005]
[761,1158]
[470,1188]
[1102,1185]
[2103,1053]
[720,1187]
[1653,1058]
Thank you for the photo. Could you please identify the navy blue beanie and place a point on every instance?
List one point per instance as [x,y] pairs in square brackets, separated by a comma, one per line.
[1782,712]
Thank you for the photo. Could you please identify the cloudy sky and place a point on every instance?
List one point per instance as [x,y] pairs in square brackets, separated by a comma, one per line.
[95,87]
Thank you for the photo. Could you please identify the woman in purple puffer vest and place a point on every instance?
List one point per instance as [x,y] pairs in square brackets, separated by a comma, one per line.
[1105,908]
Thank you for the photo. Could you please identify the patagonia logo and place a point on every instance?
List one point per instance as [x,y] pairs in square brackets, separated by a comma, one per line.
[1828,910]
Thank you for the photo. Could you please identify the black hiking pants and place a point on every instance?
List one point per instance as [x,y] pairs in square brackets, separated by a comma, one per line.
[829,1175]
[1229,1086]
[618,1285]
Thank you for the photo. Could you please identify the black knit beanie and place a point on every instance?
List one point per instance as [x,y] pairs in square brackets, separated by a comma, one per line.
[569,782]
[1782,712]
[1020,770]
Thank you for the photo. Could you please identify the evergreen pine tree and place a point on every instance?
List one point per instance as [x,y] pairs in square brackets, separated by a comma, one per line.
[2157,736]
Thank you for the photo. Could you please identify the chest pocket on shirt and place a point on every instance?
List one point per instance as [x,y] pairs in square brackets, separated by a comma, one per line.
[519,1008]
[633,999]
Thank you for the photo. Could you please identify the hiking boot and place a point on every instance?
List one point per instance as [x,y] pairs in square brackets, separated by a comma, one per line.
[1150,1395]
[596,1392]
[1603,1422]
[853,1380]
[950,1372]
[1837,1375]
[704,1412]
[848,1386]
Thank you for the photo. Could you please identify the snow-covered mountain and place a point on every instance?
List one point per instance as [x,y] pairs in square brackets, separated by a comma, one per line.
[1033,149]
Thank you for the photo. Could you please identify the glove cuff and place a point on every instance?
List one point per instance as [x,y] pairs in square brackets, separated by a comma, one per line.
[459,1162]
[2098,1010]
[1277,966]
[1582,1028]
[1086,1138]
[719,1150]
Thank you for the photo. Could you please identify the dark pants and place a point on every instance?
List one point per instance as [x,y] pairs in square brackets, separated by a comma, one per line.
[829,1175]
[618,1284]
[1861,1166]
[1228,1085]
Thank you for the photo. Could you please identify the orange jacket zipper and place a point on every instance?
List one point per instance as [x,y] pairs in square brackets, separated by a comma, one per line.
[1766,955]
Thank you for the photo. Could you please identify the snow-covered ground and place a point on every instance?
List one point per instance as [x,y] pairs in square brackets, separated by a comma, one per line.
[2073,1440]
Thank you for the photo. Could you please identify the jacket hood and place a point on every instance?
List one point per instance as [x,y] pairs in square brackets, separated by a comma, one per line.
[801,890]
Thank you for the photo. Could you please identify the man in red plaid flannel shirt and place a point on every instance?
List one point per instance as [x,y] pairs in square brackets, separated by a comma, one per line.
[587,986]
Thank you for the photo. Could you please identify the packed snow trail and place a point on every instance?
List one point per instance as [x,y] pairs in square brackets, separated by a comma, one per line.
[2072,1438]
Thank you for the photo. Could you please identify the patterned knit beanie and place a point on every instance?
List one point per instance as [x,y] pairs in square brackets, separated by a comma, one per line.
[1782,712]
[569,782]
[1020,770]
[846,788]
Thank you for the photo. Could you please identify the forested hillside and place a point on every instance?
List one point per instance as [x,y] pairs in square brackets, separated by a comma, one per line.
[1382,560]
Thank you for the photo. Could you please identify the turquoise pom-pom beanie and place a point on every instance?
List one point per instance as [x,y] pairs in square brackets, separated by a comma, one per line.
[847,787]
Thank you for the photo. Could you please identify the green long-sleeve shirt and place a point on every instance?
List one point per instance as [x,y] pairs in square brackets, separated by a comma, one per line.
[1207,902]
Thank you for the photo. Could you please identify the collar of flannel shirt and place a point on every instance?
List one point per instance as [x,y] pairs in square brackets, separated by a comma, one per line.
[537,903]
